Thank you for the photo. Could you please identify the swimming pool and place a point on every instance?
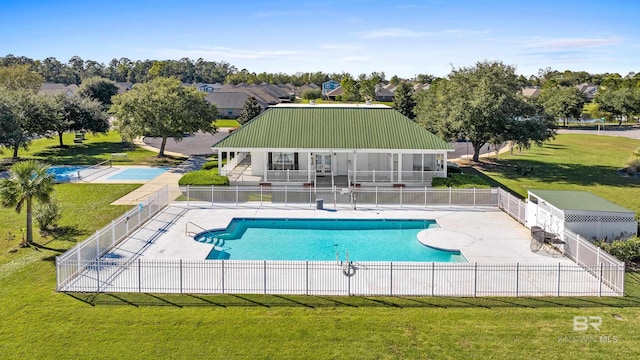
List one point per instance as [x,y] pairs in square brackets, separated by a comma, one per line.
[65,173]
[138,174]
[324,240]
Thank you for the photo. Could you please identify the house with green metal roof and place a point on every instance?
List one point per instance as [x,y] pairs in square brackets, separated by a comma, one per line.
[580,212]
[338,144]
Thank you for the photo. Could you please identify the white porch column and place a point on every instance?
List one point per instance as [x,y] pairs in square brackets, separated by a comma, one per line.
[265,156]
[422,168]
[399,167]
[219,161]
[391,167]
[444,164]
[355,166]
[309,166]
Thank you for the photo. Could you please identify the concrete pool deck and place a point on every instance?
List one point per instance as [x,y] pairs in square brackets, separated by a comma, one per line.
[492,236]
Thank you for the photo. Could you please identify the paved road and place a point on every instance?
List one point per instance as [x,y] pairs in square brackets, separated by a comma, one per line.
[633,133]
[197,144]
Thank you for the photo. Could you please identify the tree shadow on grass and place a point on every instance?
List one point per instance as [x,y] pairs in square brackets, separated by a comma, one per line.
[573,174]
[68,233]
[82,154]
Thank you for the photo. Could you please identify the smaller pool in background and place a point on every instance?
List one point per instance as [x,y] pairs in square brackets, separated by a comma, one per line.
[138,174]
[65,173]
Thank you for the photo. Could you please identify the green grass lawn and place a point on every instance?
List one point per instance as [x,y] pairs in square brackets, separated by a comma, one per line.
[227,123]
[572,162]
[39,323]
[95,149]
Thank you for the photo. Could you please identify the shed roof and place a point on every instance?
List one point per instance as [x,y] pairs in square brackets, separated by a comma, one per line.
[316,127]
[578,200]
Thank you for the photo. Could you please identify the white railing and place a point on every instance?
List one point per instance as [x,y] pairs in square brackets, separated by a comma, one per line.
[106,238]
[585,254]
[379,176]
[232,163]
[512,205]
[331,278]
[288,176]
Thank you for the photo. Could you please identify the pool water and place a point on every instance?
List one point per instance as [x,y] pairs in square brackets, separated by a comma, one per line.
[65,173]
[138,174]
[324,240]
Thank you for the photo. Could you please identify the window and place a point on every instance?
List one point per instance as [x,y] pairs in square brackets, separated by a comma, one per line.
[283,161]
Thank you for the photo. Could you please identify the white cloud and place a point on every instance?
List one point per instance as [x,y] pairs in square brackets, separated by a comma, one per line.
[407,33]
[573,43]
[355,59]
[230,53]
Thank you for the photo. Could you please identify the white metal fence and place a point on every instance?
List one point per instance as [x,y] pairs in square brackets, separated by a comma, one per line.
[584,253]
[414,196]
[74,260]
[85,269]
[332,278]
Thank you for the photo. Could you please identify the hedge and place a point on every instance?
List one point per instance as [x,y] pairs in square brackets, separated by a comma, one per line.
[464,181]
[203,177]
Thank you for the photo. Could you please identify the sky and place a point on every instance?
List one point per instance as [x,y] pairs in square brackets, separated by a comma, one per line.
[397,37]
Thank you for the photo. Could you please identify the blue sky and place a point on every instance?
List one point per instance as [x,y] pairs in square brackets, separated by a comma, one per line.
[399,37]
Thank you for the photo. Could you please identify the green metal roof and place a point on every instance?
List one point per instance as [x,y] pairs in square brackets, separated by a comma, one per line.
[332,128]
[577,200]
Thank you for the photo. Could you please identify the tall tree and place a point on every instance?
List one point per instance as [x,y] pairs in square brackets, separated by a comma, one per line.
[404,101]
[349,87]
[250,110]
[30,118]
[162,108]
[563,103]
[99,89]
[475,102]
[78,114]
[28,181]
[621,102]
[17,77]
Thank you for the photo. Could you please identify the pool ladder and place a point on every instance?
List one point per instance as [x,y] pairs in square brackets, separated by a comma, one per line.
[192,233]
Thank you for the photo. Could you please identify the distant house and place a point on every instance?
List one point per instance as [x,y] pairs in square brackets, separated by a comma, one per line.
[56,88]
[123,87]
[531,91]
[589,90]
[331,95]
[329,86]
[383,94]
[229,104]
[208,88]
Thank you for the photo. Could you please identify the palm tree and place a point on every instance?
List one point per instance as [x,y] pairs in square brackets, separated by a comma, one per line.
[28,181]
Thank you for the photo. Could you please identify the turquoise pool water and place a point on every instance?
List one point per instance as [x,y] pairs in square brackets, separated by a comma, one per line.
[322,239]
[65,173]
[138,174]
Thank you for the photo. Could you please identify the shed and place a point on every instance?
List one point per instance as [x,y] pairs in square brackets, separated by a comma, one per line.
[581,212]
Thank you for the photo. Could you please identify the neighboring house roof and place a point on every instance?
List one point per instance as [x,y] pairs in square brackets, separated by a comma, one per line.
[123,87]
[390,87]
[229,100]
[335,92]
[332,127]
[577,200]
[531,91]
[382,92]
[589,90]
[55,88]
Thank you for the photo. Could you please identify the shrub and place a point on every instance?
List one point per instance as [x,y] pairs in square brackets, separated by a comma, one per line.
[633,166]
[47,216]
[625,250]
[460,181]
[210,165]
[311,94]
[453,169]
[203,177]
